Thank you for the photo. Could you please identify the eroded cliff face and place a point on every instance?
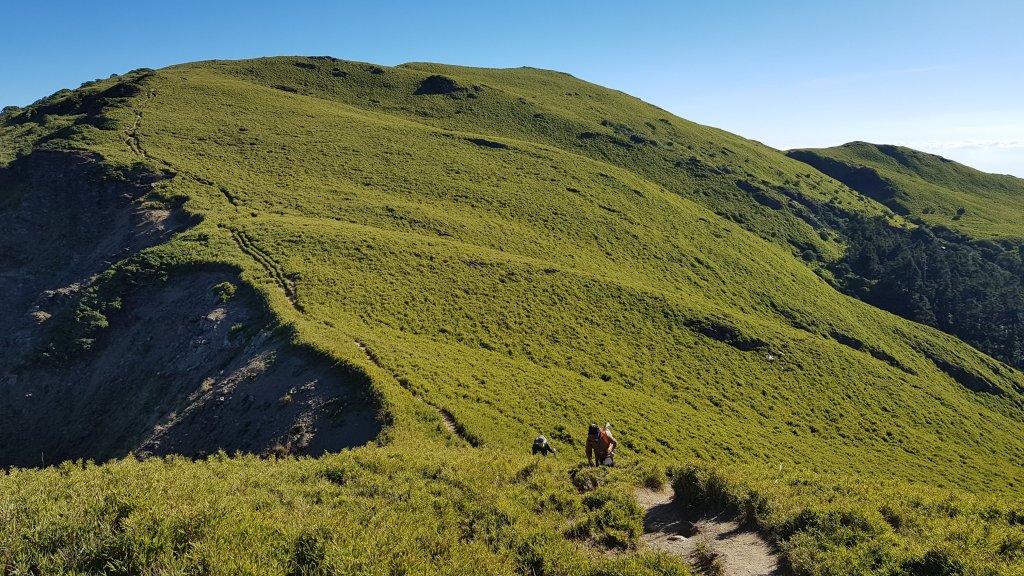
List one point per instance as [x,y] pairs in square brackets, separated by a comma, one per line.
[63,220]
[182,368]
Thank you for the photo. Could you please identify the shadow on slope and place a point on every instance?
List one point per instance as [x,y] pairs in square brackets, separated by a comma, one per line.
[860,178]
[66,217]
[178,370]
[181,370]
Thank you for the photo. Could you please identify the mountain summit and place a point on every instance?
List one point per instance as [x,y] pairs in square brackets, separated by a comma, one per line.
[294,256]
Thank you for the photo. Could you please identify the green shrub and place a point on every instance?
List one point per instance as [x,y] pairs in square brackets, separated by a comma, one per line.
[225,291]
[653,476]
[587,478]
[308,553]
[934,563]
[612,519]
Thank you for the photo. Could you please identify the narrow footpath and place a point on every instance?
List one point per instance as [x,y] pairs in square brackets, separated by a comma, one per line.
[711,543]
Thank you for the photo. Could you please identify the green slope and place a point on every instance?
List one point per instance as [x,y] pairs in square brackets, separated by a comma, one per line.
[528,253]
[960,270]
[930,188]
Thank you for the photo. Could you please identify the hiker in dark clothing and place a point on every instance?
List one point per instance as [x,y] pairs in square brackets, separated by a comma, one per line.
[542,447]
[601,446]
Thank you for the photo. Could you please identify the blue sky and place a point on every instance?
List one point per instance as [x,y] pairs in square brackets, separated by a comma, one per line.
[941,76]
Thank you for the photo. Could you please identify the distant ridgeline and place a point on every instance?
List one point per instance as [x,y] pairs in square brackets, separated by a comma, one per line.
[961,269]
[408,273]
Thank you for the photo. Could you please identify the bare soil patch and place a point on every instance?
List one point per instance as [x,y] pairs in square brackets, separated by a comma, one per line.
[181,372]
[702,538]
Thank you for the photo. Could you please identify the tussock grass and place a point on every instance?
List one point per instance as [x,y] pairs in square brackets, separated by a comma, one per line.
[372,511]
[607,262]
[828,524]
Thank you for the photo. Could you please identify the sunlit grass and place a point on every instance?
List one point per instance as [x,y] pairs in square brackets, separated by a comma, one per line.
[604,265]
[938,191]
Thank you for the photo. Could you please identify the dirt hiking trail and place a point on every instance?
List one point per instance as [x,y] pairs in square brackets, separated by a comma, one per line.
[738,551]
[447,420]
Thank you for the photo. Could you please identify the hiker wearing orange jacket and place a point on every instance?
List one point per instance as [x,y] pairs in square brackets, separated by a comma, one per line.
[601,446]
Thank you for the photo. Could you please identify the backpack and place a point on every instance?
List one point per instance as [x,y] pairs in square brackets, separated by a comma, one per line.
[599,440]
[606,443]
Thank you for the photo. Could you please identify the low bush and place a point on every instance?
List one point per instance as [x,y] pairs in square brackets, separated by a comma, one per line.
[851,525]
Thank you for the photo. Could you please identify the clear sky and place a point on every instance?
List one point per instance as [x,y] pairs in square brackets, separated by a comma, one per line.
[942,76]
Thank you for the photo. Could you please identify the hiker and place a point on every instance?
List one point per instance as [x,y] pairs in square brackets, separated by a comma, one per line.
[542,447]
[601,446]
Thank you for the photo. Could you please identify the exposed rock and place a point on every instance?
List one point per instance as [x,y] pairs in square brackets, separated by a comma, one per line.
[181,372]
[177,370]
[67,221]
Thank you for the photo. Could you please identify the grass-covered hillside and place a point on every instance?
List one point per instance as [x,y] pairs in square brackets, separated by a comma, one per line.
[960,269]
[930,188]
[490,254]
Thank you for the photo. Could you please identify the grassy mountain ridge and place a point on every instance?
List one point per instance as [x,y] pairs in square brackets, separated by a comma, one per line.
[524,252]
[961,269]
[706,164]
[937,191]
